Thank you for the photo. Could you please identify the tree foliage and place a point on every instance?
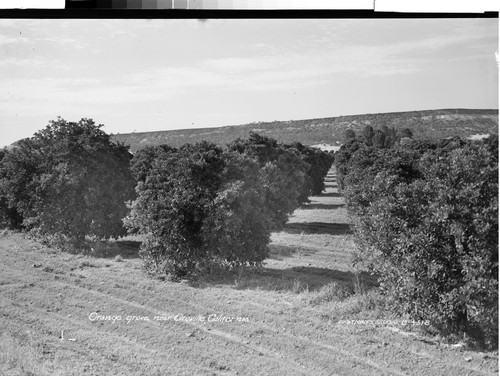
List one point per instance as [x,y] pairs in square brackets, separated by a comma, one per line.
[201,206]
[284,174]
[380,138]
[144,158]
[319,163]
[349,134]
[68,179]
[426,219]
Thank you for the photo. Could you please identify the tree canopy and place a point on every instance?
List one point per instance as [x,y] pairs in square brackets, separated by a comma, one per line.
[68,179]
[425,217]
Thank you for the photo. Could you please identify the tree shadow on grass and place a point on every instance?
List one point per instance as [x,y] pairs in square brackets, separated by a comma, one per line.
[128,249]
[296,279]
[304,278]
[280,252]
[318,228]
[331,194]
[322,206]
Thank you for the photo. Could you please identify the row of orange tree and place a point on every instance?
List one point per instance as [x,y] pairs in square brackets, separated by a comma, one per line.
[204,206]
[199,206]
[425,217]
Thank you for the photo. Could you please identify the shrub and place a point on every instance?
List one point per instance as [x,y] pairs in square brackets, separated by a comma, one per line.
[239,222]
[283,173]
[342,158]
[426,219]
[172,205]
[68,179]
[318,162]
[144,158]
[202,207]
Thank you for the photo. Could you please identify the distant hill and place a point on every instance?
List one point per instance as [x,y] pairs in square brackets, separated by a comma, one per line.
[330,131]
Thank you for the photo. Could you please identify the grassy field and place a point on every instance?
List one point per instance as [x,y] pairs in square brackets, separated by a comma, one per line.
[100,314]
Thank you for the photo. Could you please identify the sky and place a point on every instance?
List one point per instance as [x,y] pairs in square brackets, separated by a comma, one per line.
[149,75]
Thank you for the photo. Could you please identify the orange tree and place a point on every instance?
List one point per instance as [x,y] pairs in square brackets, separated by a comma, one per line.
[199,206]
[426,219]
[284,173]
[68,179]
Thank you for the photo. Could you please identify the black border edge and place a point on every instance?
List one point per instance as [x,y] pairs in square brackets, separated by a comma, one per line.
[82,13]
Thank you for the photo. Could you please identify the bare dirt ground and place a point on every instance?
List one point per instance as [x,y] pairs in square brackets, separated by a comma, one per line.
[67,314]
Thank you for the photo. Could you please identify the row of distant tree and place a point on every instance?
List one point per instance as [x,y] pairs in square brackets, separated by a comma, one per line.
[381,138]
[199,205]
[425,216]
